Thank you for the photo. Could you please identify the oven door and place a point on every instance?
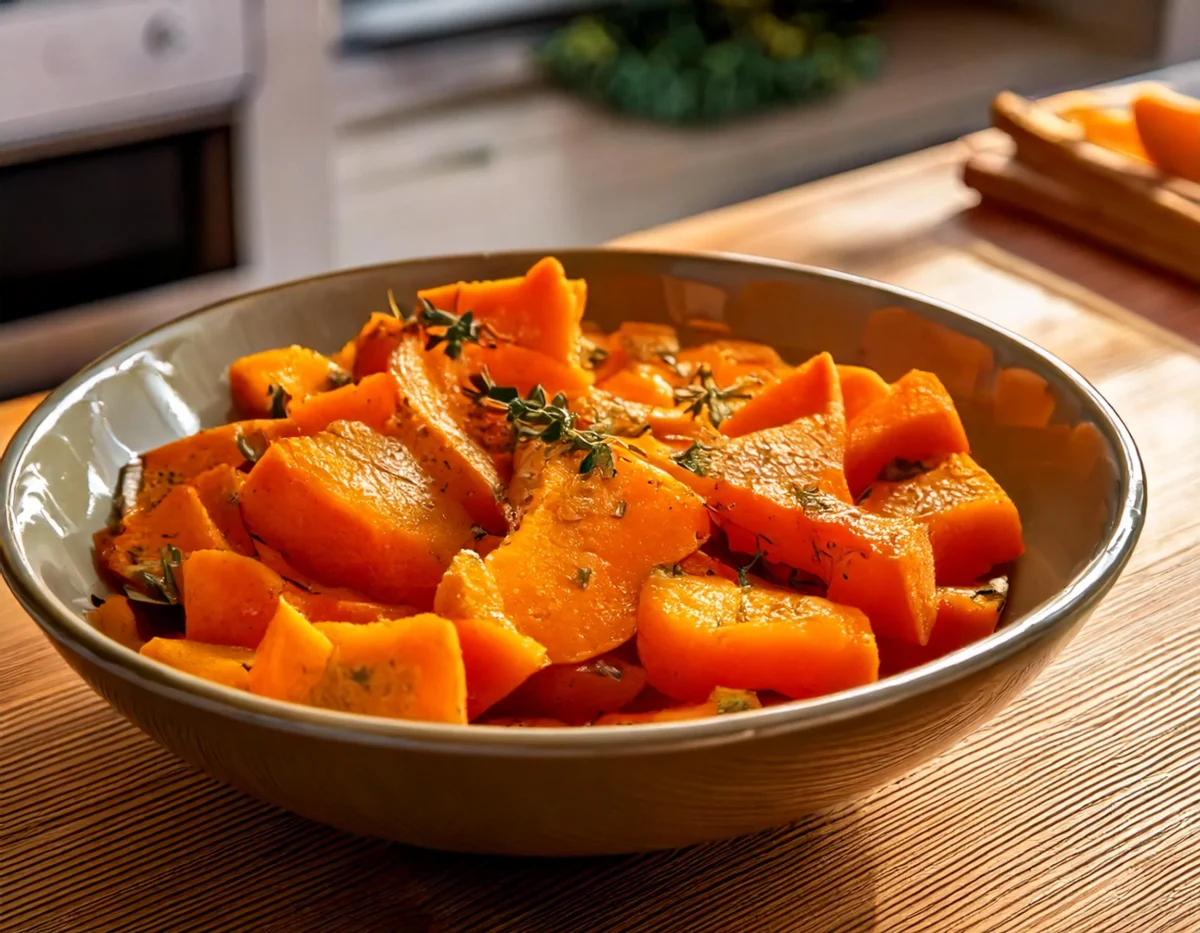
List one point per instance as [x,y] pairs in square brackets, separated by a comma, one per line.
[89,225]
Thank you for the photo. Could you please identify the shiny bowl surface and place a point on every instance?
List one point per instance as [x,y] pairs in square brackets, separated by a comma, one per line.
[1077,481]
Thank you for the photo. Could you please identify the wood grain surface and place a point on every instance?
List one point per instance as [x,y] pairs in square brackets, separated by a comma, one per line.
[1078,809]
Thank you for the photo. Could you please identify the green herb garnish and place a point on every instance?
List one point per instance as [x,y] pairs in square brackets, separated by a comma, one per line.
[743,572]
[732,704]
[166,586]
[813,499]
[460,329]
[279,401]
[551,422]
[620,510]
[361,675]
[703,392]
[252,448]
[583,576]
[696,459]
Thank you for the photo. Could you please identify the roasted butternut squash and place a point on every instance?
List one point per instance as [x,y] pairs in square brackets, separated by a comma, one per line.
[220,491]
[116,619]
[427,423]
[229,599]
[291,658]
[179,521]
[350,507]
[915,422]
[549,491]
[1168,125]
[178,462]
[640,382]
[264,383]
[698,633]
[571,573]
[496,656]
[540,311]
[811,389]
[860,387]
[965,616]
[371,402]
[405,669]
[578,693]
[218,663]
[973,524]
[721,702]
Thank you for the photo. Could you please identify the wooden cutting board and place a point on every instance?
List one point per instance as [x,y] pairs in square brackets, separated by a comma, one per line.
[1075,810]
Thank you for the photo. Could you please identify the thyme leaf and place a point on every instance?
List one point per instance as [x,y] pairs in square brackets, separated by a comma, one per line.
[696,459]
[166,586]
[252,448]
[583,576]
[703,392]
[732,704]
[551,422]
[743,572]
[619,512]
[279,401]
[813,499]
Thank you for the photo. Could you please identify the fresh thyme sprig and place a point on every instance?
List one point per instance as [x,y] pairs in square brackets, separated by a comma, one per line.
[551,422]
[460,329]
[743,571]
[166,586]
[703,392]
[696,459]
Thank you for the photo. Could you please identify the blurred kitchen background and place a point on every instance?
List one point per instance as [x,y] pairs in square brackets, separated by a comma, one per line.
[156,155]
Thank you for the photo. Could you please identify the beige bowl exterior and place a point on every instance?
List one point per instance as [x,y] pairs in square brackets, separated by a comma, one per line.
[1077,481]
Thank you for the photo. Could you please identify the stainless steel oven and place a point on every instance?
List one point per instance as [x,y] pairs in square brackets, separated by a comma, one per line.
[154,155]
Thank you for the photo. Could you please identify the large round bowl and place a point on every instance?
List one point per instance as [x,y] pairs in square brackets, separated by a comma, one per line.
[1077,481]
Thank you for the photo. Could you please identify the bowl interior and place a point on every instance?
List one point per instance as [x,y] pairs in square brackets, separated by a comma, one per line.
[1064,474]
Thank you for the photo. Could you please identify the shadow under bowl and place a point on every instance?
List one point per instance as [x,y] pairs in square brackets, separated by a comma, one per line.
[1075,477]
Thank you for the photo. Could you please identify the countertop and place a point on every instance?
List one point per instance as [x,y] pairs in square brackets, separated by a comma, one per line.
[1077,808]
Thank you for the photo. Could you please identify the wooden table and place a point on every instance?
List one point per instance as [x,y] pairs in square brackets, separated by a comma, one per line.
[1078,809]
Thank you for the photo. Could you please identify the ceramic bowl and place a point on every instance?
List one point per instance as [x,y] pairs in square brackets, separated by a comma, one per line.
[1075,476]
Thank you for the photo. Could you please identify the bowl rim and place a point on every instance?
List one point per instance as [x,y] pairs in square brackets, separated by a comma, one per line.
[67,629]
